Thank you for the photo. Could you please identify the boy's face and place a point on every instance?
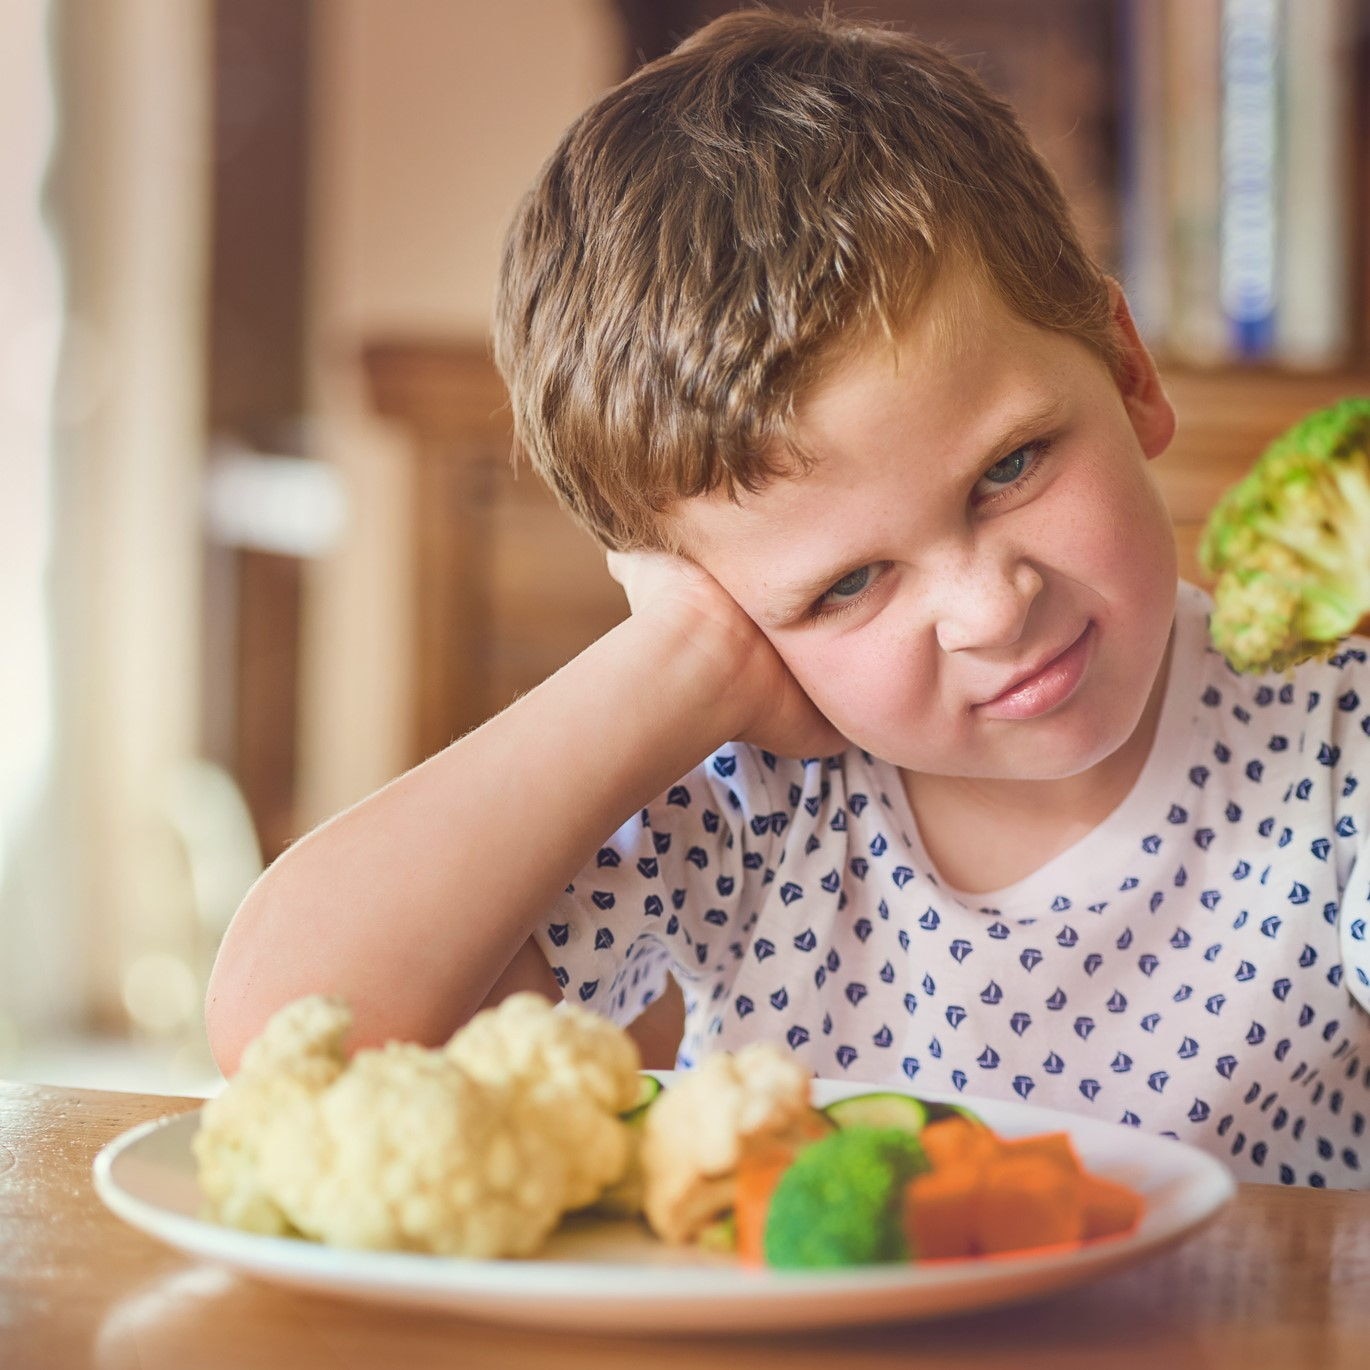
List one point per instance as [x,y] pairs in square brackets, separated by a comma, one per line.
[979,513]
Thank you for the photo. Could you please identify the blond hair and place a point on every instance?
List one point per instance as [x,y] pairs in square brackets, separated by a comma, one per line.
[713,230]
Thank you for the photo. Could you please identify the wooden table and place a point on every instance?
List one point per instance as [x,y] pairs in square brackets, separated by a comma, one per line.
[1282,1278]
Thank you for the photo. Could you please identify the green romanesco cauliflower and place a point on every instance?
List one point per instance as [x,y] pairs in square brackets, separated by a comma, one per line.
[842,1201]
[1290,544]
[579,1065]
[457,1151]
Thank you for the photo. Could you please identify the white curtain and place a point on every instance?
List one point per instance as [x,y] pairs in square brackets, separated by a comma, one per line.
[30,327]
[94,880]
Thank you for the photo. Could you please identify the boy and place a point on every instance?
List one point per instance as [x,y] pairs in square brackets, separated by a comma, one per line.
[796,322]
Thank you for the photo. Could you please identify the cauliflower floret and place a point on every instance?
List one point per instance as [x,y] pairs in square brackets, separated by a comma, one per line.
[699,1129]
[577,1064]
[297,1056]
[476,1149]
[407,1151]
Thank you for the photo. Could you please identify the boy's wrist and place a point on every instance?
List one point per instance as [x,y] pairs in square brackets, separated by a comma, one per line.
[696,664]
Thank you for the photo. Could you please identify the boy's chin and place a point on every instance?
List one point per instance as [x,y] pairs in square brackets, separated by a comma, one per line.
[1035,760]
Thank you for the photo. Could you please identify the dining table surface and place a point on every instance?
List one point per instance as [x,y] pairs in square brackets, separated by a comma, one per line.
[1281,1277]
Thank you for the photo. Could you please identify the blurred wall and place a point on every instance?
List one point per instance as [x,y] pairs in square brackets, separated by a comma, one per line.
[126,197]
[30,330]
[430,119]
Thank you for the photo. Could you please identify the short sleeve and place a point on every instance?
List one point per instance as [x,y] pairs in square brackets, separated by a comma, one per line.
[673,890]
[1354,916]
[1345,753]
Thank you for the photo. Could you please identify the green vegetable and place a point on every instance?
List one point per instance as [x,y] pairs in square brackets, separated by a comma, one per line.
[648,1088]
[720,1235]
[623,1198]
[883,1109]
[841,1202]
[1290,544]
[936,1112]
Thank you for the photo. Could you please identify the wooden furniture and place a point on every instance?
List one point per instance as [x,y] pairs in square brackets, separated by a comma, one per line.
[508,589]
[255,390]
[1278,1279]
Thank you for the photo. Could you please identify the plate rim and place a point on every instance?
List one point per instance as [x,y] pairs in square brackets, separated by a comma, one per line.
[501,1287]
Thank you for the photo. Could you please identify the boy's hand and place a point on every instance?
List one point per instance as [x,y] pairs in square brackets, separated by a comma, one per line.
[762,701]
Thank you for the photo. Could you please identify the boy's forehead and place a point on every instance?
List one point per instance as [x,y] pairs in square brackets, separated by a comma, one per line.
[952,380]
[939,372]
[949,328]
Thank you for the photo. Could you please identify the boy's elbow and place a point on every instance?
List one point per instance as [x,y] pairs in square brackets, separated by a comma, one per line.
[226,1025]
[233,1012]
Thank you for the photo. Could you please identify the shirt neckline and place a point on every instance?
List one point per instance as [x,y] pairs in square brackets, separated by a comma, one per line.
[1092,862]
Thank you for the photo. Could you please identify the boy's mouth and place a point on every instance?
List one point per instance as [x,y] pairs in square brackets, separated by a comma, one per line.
[1043,687]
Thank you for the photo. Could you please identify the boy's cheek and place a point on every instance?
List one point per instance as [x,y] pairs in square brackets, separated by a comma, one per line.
[861,686]
[1120,537]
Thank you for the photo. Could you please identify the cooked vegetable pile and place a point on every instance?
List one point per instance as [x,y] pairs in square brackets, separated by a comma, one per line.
[481,1147]
[1290,544]
[475,1149]
[901,1179]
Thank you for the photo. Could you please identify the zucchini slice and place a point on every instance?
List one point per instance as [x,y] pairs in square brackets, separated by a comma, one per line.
[883,1109]
[648,1088]
[939,1111]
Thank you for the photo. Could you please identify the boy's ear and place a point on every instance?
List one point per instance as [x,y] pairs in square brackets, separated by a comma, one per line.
[1139,383]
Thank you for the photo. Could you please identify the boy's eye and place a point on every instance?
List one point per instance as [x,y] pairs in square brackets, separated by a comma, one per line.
[1006,471]
[852,583]
[1014,470]
[845,592]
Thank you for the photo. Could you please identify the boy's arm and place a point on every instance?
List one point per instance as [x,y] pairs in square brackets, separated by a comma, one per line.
[413,903]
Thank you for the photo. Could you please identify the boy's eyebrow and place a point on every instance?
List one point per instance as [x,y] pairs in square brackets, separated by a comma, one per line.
[788,602]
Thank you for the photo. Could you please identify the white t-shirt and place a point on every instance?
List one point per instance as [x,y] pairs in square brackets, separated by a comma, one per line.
[1196,966]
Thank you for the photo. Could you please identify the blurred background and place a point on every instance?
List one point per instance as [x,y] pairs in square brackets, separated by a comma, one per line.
[261,546]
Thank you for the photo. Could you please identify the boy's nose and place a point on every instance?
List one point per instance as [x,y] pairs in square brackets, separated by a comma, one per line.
[985,603]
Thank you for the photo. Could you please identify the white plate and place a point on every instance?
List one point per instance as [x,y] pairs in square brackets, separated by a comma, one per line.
[613,1276]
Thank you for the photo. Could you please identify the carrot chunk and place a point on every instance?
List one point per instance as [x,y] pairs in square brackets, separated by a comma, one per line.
[951,1141]
[940,1211]
[757,1177]
[1049,1146]
[1109,1207]
[1028,1200]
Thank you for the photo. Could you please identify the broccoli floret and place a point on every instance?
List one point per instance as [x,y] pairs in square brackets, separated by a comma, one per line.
[1290,544]
[841,1202]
